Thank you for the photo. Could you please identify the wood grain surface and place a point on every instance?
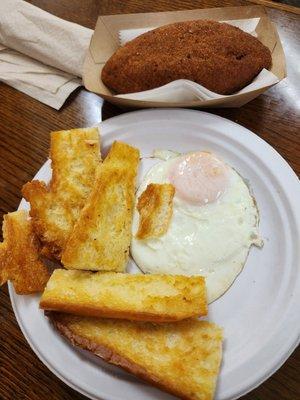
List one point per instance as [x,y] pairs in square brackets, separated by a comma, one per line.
[279,5]
[24,142]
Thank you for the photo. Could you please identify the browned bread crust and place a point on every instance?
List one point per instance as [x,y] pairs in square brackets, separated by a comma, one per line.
[19,255]
[216,55]
[156,298]
[182,358]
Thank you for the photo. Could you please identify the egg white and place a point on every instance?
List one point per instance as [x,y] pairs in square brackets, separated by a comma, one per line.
[211,240]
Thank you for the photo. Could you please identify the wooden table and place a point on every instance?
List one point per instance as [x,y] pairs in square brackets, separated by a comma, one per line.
[24,131]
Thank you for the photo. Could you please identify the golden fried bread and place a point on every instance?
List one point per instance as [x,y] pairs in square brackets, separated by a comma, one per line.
[156,298]
[216,55]
[182,358]
[155,206]
[19,255]
[101,237]
[75,154]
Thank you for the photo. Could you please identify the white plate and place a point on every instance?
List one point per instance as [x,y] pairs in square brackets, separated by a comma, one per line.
[260,312]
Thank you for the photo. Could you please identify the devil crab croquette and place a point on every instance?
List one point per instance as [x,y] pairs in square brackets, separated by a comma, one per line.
[216,55]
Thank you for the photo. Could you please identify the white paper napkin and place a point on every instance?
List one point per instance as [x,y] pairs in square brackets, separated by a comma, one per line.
[40,54]
[183,90]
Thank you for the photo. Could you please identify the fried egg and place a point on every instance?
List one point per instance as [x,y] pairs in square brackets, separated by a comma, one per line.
[213,225]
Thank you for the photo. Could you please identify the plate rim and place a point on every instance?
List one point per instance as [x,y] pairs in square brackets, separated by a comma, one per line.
[163,112]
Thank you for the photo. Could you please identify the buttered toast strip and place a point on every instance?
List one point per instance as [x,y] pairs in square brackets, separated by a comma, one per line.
[182,358]
[19,255]
[157,298]
[75,154]
[155,206]
[101,237]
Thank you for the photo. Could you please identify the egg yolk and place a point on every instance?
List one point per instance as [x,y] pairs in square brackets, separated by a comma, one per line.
[199,178]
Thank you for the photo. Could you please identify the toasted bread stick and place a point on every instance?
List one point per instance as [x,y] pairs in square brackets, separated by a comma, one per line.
[156,298]
[75,155]
[19,255]
[182,358]
[101,237]
[155,206]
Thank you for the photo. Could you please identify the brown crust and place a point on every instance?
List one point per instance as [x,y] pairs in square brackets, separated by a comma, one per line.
[110,356]
[155,208]
[216,55]
[90,311]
